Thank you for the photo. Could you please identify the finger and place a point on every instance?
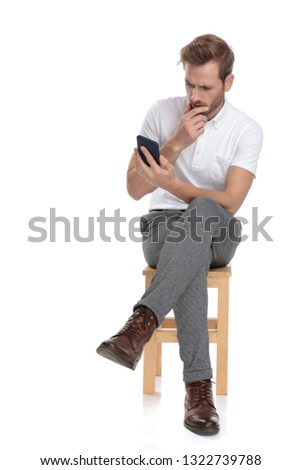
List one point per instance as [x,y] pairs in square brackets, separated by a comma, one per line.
[199,119]
[197,110]
[152,164]
[144,170]
[200,124]
[164,163]
[187,109]
[140,165]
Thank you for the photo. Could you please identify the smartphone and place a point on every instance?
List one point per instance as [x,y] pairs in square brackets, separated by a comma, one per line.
[151,145]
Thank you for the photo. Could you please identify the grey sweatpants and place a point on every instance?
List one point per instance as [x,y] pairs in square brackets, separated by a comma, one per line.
[183,245]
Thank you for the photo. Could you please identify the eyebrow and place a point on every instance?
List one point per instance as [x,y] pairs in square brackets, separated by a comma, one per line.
[204,85]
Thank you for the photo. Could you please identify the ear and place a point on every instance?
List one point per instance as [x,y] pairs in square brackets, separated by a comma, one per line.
[229,82]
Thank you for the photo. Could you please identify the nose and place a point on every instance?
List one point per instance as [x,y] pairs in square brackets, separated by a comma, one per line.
[195,96]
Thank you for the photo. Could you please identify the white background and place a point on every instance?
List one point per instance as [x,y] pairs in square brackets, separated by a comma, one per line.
[76,80]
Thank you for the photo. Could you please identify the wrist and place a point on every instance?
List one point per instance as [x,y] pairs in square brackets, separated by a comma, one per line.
[174,186]
[171,150]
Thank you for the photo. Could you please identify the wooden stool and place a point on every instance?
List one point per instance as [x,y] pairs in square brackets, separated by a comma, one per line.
[167,333]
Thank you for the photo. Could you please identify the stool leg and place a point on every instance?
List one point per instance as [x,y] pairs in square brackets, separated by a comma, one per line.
[222,338]
[149,355]
[149,363]
[159,360]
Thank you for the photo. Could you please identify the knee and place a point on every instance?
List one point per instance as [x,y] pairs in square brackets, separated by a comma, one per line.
[151,252]
[203,202]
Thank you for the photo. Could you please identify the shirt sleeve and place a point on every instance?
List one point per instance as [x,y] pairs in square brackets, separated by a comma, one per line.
[151,124]
[249,148]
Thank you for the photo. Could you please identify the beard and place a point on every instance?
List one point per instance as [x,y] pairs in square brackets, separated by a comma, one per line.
[214,107]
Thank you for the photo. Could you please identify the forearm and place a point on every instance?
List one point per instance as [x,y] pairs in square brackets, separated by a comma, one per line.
[187,192]
[137,187]
[171,150]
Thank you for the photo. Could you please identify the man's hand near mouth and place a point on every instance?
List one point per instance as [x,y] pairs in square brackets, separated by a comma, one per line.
[190,127]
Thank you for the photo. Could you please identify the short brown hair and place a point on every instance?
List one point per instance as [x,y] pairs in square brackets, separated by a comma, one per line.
[206,48]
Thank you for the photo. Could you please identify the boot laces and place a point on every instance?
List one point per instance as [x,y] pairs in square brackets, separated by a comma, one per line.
[200,392]
[136,324]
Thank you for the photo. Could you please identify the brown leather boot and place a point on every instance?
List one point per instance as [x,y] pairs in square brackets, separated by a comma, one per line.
[200,413]
[126,346]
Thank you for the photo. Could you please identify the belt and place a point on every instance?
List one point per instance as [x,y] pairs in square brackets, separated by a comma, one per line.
[162,210]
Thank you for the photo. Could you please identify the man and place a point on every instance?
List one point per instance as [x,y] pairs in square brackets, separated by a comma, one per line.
[208,158]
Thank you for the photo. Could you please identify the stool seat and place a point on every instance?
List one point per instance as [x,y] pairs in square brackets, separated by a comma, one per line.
[167,333]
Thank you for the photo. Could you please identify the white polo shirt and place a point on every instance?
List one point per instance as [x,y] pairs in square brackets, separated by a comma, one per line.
[230,138]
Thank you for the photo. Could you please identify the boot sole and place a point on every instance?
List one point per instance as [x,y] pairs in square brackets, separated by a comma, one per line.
[115,357]
[201,431]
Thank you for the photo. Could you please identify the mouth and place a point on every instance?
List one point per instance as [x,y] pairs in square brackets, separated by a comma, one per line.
[193,106]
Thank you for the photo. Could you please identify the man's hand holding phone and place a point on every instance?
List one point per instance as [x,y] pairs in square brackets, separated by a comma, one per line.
[158,172]
[151,145]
